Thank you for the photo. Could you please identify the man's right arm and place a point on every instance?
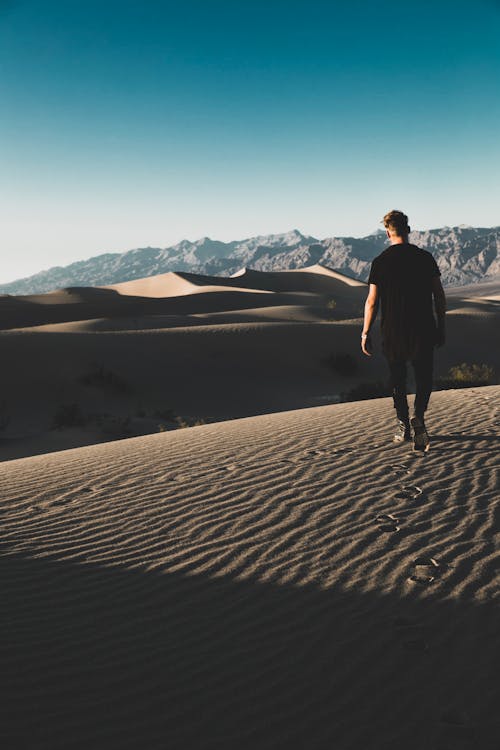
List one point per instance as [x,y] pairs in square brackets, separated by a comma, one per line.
[439,307]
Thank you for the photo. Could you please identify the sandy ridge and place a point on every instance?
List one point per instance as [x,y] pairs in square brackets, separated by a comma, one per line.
[285,578]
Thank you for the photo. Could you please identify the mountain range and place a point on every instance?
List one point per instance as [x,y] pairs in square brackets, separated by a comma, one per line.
[464,255]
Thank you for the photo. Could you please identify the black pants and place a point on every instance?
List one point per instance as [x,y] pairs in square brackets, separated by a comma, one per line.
[422,368]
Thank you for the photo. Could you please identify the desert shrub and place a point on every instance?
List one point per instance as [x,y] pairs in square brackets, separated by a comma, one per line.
[329,308]
[367,390]
[106,379]
[180,423]
[466,375]
[189,421]
[466,372]
[68,415]
[341,364]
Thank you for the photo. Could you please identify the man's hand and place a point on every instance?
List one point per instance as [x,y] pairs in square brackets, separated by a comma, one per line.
[366,345]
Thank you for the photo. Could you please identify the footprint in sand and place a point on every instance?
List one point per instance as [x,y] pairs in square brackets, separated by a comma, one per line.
[314,452]
[400,469]
[409,492]
[60,502]
[177,478]
[426,571]
[161,478]
[387,522]
[411,634]
[327,451]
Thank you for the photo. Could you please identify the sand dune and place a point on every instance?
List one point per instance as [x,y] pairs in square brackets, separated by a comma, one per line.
[207,368]
[277,581]
[274,313]
[175,294]
[204,355]
[212,371]
[486,290]
[316,279]
[90,303]
[305,292]
[175,285]
[290,580]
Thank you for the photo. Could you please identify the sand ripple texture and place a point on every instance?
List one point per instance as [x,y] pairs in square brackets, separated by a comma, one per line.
[291,580]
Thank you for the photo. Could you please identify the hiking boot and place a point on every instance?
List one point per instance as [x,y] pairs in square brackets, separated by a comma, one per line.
[421,440]
[403,432]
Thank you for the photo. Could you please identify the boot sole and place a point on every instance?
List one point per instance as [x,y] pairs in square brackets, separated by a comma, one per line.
[421,440]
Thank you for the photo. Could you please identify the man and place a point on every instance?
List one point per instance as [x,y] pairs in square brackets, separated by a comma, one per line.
[405,279]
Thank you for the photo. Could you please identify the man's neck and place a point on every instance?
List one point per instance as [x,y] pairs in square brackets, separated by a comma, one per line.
[395,240]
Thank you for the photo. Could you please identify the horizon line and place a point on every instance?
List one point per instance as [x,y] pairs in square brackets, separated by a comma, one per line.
[244,239]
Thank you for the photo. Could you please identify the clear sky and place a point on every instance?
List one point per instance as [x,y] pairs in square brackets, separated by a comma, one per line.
[126,124]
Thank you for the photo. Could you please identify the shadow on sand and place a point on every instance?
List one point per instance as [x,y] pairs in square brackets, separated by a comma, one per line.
[87,303]
[103,657]
[467,437]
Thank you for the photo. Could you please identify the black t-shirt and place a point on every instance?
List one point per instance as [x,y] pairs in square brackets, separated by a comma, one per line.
[403,275]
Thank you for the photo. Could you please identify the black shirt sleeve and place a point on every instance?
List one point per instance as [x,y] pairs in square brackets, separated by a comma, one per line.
[434,268]
[373,278]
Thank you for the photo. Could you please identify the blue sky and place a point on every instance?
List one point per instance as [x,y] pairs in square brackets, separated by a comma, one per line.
[127,124]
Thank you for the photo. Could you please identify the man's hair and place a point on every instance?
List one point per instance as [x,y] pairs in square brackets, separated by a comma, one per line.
[396,222]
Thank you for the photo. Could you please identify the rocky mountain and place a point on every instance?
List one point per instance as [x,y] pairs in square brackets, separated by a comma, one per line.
[464,254]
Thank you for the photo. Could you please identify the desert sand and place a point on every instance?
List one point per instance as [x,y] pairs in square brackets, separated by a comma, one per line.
[288,580]
[282,576]
[210,349]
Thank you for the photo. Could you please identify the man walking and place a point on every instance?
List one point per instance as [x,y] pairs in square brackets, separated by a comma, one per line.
[405,279]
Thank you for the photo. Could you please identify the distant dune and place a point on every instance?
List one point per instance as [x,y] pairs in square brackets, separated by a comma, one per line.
[184,294]
[289,580]
[316,279]
[197,348]
[486,290]
[175,285]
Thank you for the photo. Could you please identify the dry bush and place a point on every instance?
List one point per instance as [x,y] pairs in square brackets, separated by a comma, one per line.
[466,375]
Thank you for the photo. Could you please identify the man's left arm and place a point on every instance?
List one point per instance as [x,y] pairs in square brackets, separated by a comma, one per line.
[440,308]
[371,309]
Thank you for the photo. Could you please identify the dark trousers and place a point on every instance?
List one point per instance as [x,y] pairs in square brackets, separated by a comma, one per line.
[422,368]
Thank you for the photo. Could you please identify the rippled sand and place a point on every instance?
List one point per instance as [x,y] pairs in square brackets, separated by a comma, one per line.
[291,580]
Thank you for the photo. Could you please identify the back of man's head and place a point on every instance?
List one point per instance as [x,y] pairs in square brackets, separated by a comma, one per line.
[396,222]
